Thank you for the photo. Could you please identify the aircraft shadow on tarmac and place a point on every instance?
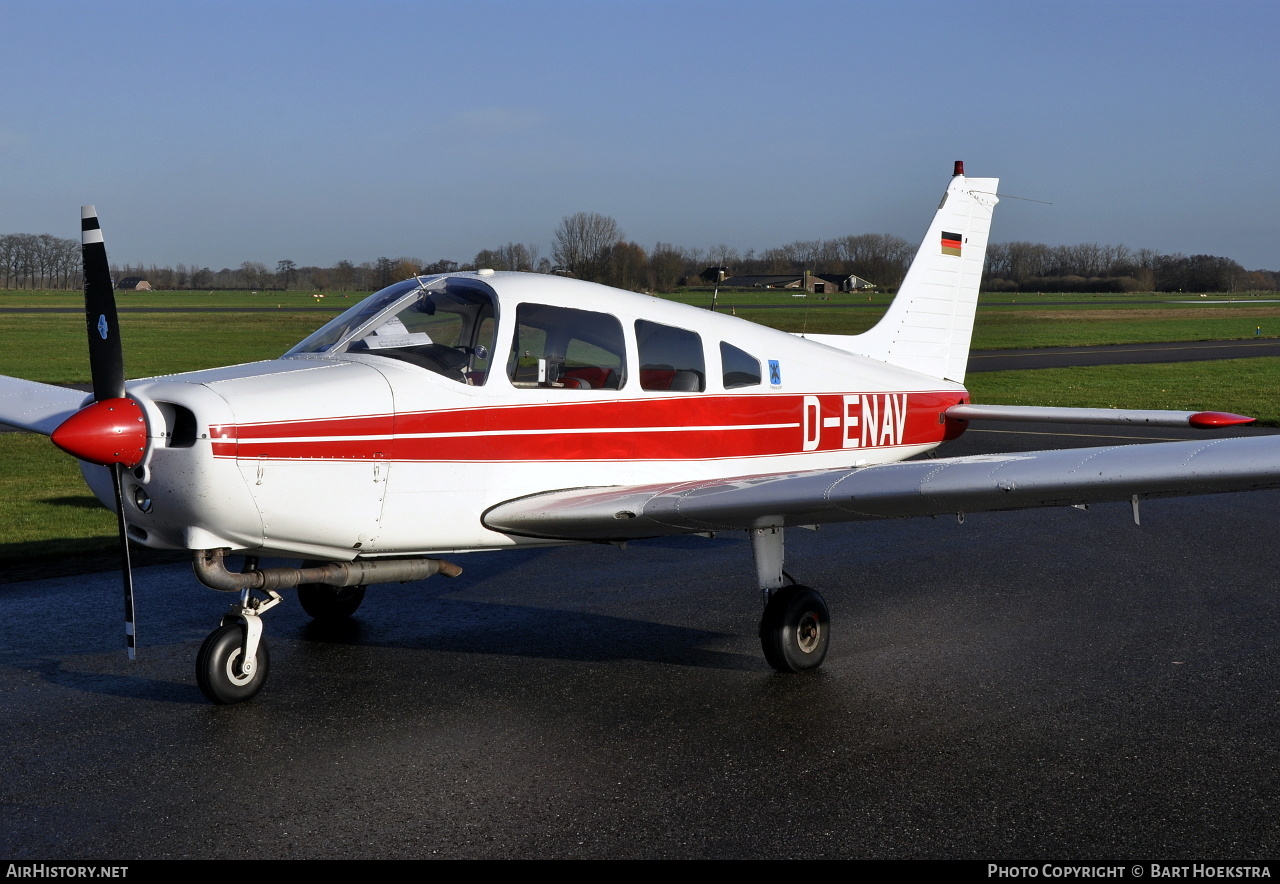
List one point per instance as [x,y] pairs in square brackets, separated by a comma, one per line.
[445,626]
[119,682]
[425,624]
[463,626]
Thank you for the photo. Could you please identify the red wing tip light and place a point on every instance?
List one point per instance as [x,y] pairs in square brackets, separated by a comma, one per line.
[1209,419]
[107,432]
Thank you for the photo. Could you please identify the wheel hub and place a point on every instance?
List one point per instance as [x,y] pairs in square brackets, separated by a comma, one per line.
[808,632]
[235,672]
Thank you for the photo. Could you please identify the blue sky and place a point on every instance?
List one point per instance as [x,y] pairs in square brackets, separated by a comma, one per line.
[214,133]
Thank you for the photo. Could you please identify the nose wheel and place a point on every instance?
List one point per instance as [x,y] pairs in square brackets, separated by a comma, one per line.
[233,662]
[222,671]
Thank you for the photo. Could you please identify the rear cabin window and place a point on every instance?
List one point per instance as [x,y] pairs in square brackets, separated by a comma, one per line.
[670,358]
[741,369]
[566,348]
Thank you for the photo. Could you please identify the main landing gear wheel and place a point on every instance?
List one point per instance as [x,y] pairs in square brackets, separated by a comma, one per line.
[219,669]
[329,604]
[795,629]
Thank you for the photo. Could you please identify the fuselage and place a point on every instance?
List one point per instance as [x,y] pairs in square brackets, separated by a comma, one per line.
[395,427]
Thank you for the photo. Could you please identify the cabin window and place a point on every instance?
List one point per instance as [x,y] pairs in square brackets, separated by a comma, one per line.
[567,349]
[670,358]
[741,369]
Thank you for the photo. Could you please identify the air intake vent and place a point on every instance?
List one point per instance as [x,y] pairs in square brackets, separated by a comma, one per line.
[180,425]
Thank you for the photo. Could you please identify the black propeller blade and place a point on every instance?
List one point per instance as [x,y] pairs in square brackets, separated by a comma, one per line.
[106,366]
[126,565]
[106,357]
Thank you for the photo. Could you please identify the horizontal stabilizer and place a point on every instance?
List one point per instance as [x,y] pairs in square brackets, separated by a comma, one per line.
[39,408]
[945,486]
[1146,417]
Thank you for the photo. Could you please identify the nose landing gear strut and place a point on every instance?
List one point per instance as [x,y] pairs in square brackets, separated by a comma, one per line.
[233,662]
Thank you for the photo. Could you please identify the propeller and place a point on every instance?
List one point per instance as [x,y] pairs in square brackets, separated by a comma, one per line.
[111,430]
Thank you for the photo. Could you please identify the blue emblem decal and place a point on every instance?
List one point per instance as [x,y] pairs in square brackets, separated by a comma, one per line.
[775,373]
[102,326]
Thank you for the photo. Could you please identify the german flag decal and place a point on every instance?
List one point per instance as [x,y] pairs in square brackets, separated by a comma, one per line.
[951,244]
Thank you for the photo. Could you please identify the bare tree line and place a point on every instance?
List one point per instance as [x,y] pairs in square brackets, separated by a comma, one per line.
[1091,267]
[39,261]
[591,246]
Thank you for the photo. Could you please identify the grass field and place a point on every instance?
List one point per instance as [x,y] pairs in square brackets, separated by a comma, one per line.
[51,347]
[329,302]
[1243,386]
[161,343]
[47,511]
[998,329]
[45,507]
[701,297]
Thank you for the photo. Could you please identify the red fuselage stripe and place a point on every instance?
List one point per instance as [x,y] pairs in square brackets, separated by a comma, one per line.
[691,428]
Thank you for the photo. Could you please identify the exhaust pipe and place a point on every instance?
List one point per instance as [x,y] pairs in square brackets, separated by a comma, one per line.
[211,569]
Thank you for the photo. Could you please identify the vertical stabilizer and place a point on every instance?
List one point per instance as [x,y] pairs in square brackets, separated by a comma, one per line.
[930,322]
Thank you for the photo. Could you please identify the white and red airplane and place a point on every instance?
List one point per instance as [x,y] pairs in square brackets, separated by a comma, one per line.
[482,411]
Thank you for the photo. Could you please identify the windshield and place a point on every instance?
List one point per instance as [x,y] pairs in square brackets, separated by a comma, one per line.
[443,324]
[336,330]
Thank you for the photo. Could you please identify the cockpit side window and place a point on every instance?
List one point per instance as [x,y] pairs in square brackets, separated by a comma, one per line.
[670,358]
[741,369]
[566,348]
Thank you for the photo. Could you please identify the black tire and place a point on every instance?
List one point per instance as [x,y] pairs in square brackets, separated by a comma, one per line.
[330,604]
[795,629]
[217,666]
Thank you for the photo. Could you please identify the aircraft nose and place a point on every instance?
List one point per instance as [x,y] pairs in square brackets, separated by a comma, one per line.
[106,432]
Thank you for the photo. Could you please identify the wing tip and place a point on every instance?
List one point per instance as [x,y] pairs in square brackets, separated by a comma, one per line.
[1206,420]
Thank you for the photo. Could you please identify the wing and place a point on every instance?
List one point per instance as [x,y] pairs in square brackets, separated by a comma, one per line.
[945,486]
[39,408]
